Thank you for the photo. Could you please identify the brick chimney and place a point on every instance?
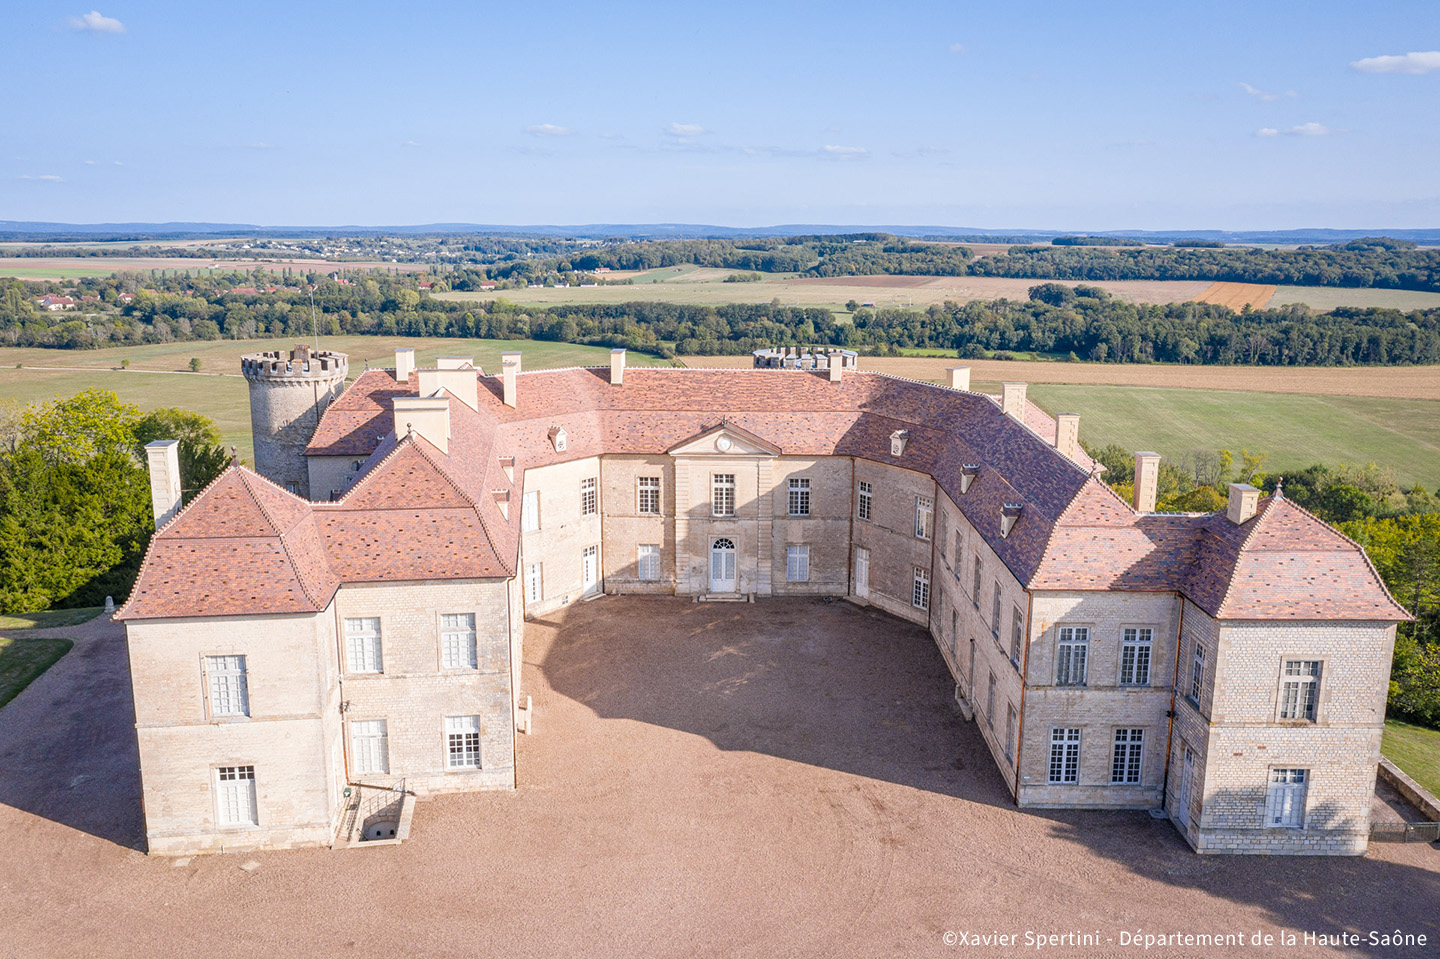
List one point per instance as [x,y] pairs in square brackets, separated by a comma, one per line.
[509,369]
[959,377]
[163,458]
[404,364]
[1012,400]
[427,416]
[1067,434]
[617,367]
[1244,498]
[1147,482]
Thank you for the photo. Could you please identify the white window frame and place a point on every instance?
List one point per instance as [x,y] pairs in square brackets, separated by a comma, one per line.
[920,590]
[463,748]
[799,498]
[959,550]
[722,494]
[647,495]
[990,701]
[458,647]
[1300,689]
[534,582]
[589,496]
[647,562]
[1285,798]
[370,745]
[797,563]
[364,647]
[1197,672]
[530,511]
[975,584]
[924,517]
[1010,723]
[865,502]
[995,606]
[229,686]
[1017,633]
[1127,762]
[1064,767]
[235,799]
[1072,661]
[1137,653]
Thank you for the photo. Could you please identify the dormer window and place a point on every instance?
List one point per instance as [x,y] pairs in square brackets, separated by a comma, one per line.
[968,472]
[557,437]
[1009,513]
[898,439]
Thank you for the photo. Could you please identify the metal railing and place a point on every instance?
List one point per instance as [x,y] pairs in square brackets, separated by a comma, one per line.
[1405,831]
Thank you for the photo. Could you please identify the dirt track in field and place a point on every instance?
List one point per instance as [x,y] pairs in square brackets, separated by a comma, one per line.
[1396,382]
[1237,295]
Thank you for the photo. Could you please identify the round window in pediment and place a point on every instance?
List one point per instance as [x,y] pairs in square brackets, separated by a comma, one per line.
[723,444]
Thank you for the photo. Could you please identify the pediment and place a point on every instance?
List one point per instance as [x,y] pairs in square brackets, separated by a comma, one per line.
[724,440]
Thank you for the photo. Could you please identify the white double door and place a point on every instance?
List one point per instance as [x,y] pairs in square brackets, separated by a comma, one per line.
[590,569]
[722,566]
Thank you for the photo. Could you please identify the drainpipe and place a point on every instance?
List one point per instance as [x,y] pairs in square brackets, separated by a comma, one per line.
[850,563]
[340,679]
[1174,687]
[1024,675]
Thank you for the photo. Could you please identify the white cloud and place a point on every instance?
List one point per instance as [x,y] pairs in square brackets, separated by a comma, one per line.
[411,143]
[548,130]
[91,162]
[1311,129]
[846,152]
[1412,63]
[1266,95]
[95,22]
[959,48]
[261,145]
[684,129]
[1267,132]
[48,177]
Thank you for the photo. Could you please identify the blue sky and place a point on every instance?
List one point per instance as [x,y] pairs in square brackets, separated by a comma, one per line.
[1039,115]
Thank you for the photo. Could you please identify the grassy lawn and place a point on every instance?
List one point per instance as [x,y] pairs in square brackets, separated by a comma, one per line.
[1294,429]
[1416,750]
[50,618]
[22,660]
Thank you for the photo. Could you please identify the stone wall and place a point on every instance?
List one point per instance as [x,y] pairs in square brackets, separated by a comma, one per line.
[563,533]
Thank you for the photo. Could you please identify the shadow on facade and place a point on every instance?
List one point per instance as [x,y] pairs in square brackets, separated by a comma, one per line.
[68,751]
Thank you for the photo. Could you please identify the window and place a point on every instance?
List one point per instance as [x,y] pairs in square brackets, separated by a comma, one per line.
[1010,732]
[799,497]
[797,564]
[924,516]
[530,511]
[589,496]
[1017,634]
[457,641]
[920,595]
[1135,650]
[370,744]
[1129,753]
[975,587]
[533,591]
[1065,755]
[362,645]
[648,563]
[1197,673]
[462,742]
[235,795]
[1285,805]
[995,612]
[1300,691]
[229,693]
[958,544]
[865,500]
[1074,654]
[990,702]
[722,494]
[649,487]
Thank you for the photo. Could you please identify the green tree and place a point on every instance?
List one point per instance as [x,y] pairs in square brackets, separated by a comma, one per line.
[194,364]
[202,456]
[75,430]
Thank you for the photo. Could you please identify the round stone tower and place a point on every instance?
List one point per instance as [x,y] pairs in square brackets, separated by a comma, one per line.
[287,396]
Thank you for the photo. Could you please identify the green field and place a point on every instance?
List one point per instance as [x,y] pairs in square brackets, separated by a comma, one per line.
[23,660]
[50,618]
[158,375]
[1329,297]
[1416,750]
[1295,430]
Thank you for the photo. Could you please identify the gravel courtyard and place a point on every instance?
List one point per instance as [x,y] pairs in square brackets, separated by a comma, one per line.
[787,778]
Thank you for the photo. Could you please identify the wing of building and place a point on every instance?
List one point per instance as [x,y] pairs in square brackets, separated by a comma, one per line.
[359,619]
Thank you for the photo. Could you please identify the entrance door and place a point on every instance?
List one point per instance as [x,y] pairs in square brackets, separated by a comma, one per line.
[862,572]
[1187,775]
[722,566]
[590,569]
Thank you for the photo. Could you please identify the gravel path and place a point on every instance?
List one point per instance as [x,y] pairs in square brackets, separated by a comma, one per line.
[780,779]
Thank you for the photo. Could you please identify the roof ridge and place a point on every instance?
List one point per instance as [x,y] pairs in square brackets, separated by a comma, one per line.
[1260,510]
[295,567]
[366,476]
[244,474]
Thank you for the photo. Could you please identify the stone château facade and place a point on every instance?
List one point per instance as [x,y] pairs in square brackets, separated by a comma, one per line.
[1230,668]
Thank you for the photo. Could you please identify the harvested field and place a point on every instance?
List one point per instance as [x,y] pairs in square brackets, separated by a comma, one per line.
[787,778]
[1237,296]
[1329,297]
[76,267]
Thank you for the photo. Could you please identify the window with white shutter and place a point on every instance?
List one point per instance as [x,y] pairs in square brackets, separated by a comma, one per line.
[457,641]
[370,746]
[1285,804]
[229,689]
[362,645]
[648,561]
[797,564]
[235,796]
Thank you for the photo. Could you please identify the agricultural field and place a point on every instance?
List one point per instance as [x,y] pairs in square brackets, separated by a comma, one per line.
[1237,296]
[80,267]
[1329,297]
[159,375]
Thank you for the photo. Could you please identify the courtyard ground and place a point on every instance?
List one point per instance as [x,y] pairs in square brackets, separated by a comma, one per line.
[787,778]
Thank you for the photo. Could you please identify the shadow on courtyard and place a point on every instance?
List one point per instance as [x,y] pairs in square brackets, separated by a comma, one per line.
[68,751]
[859,691]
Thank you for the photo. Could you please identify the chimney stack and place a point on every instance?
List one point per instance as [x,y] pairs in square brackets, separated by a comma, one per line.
[427,416]
[1012,400]
[404,364]
[509,369]
[1067,434]
[1244,498]
[163,458]
[1147,481]
[959,377]
[617,367]
[835,366]
[456,376]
